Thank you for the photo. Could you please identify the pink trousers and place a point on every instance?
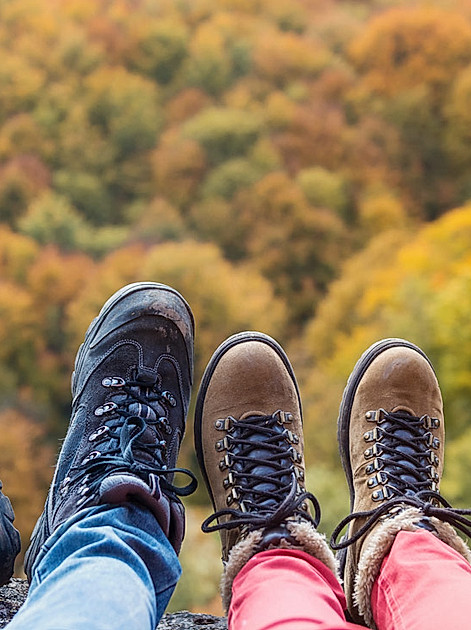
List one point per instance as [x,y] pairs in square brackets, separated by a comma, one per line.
[423,585]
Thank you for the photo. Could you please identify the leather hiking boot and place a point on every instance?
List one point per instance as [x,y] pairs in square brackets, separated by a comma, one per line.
[10,543]
[131,389]
[249,443]
[391,439]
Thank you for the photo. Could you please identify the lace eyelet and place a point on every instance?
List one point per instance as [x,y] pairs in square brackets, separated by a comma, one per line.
[170,398]
[91,456]
[113,381]
[98,433]
[106,408]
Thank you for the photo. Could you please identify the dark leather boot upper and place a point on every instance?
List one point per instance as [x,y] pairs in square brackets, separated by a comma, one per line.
[131,389]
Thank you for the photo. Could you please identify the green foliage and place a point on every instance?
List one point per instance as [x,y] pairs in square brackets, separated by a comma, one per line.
[161,50]
[324,189]
[86,191]
[51,219]
[225,180]
[224,133]
[125,107]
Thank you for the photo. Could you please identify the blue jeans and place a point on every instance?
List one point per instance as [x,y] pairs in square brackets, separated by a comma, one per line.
[106,568]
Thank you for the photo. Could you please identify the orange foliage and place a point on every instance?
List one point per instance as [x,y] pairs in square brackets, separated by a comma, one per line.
[408,46]
[25,468]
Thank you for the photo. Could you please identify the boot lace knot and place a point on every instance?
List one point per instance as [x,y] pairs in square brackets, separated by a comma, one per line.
[264,474]
[132,438]
[404,468]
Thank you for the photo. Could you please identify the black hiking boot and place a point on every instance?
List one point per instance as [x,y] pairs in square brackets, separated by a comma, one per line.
[131,389]
[10,543]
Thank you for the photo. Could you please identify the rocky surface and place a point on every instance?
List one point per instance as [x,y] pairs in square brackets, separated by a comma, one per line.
[189,621]
[13,594]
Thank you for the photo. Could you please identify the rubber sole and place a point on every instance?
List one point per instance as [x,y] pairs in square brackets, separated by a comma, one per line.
[229,343]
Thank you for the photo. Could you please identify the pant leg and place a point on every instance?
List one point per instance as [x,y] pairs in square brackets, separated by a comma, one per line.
[423,585]
[106,568]
[287,589]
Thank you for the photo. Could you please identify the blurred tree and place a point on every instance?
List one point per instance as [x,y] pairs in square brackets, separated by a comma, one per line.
[223,133]
[85,191]
[186,104]
[20,84]
[208,65]
[21,135]
[298,248]
[315,136]
[52,219]
[161,48]
[284,57]
[156,222]
[26,465]
[179,165]
[125,107]
[225,180]
[458,114]
[408,46]
[324,189]
[379,211]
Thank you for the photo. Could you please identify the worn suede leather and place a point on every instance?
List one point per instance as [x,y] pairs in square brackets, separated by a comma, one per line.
[399,379]
[248,379]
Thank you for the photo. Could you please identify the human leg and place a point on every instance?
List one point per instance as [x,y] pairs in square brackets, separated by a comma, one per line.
[287,589]
[391,436]
[131,390]
[107,567]
[249,442]
[423,584]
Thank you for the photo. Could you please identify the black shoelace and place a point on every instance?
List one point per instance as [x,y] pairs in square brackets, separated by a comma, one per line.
[262,476]
[406,463]
[127,416]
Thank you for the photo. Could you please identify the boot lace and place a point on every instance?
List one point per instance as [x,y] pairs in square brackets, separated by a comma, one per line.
[263,475]
[404,464]
[133,438]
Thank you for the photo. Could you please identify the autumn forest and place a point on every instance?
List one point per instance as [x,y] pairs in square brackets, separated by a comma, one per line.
[301,167]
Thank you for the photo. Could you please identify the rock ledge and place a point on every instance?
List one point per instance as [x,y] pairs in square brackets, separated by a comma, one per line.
[13,594]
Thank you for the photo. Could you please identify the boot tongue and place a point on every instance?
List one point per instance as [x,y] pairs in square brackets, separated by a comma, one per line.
[408,447]
[146,376]
[259,453]
[150,411]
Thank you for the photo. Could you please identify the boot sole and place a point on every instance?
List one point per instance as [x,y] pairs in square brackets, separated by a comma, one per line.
[218,354]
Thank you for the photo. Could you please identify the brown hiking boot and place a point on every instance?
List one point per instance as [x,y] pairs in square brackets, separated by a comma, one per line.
[249,443]
[391,438]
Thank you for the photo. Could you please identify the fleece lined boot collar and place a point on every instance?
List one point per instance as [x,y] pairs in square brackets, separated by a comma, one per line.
[391,437]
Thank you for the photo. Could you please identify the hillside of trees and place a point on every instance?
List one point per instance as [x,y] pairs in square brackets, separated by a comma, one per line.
[301,167]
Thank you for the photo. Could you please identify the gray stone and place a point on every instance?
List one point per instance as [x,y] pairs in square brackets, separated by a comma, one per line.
[13,594]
